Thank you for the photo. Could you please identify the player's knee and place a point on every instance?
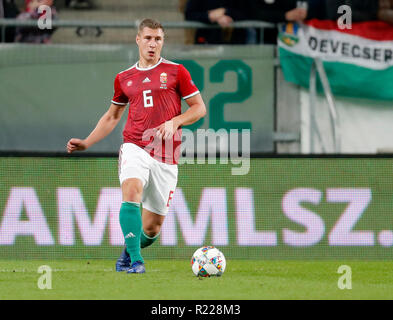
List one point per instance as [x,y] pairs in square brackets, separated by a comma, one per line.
[132,194]
[132,190]
[152,230]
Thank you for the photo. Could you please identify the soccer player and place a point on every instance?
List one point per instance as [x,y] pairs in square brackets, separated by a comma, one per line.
[153,88]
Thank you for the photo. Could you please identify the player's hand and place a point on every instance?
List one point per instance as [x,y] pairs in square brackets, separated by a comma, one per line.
[166,130]
[76,145]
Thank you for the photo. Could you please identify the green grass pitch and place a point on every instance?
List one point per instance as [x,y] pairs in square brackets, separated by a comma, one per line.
[173,279]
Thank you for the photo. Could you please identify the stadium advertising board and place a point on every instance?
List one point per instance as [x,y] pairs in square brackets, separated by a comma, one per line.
[284,208]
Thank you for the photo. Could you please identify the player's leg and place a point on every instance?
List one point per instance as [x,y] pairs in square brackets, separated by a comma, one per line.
[156,200]
[133,176]
[152,223]
[130,217]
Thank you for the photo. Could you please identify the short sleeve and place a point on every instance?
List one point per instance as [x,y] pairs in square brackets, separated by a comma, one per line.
[186,86]
[119,97]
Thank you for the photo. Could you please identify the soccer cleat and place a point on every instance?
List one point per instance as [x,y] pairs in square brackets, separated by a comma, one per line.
[124,261]
[137,267]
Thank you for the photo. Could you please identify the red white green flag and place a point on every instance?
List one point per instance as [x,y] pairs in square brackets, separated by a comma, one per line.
[358,61]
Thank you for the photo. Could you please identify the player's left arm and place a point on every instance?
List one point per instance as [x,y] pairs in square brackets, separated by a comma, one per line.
[196,111]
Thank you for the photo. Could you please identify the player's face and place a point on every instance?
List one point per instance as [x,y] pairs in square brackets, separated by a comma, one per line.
[150,42]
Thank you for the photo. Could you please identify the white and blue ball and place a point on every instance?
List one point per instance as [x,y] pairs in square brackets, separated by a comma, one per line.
[208,261]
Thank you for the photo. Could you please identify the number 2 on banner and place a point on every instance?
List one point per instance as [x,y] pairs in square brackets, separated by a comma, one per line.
[147,100]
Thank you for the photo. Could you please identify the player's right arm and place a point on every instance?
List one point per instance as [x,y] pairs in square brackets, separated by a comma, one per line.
[104,127]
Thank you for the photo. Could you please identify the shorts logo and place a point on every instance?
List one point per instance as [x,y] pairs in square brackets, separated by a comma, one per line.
[169,198]
[163,80]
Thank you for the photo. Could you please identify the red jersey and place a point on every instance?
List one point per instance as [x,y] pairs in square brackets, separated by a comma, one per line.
[154,95]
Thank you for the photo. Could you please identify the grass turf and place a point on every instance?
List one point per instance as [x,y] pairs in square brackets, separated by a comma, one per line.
[173,279]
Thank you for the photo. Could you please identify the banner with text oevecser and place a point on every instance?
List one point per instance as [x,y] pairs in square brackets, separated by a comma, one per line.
[358,60]
[284,208]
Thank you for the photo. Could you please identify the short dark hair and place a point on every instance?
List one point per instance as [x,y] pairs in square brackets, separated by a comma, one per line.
[150,23]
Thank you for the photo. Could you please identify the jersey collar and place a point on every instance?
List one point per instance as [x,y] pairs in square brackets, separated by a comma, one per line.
[148,68]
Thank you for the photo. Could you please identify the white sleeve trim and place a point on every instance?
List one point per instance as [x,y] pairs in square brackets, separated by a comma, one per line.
[119,103]
[191,95]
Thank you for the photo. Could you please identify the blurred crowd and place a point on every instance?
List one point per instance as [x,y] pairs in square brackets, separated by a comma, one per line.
[219,12]
[30,12]
[224,12]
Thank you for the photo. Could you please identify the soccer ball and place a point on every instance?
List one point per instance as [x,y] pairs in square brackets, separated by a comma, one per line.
[208,261]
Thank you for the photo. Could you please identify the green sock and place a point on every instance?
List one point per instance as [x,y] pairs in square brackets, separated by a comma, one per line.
[146,240]
[131,225]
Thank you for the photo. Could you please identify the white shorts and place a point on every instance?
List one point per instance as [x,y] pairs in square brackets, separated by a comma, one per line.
[159,179]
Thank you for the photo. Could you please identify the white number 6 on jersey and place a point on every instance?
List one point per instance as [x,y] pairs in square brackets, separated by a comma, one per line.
[147,100]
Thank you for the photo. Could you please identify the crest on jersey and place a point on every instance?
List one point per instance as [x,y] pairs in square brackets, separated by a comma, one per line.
[163,77]
[163,80]
[129,83]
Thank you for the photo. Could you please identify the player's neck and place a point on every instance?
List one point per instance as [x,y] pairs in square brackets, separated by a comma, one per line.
[142,63]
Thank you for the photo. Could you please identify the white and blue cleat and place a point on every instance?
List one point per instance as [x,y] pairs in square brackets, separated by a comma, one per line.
[137,267]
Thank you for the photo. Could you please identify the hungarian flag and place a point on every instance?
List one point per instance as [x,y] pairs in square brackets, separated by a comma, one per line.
[358,61]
